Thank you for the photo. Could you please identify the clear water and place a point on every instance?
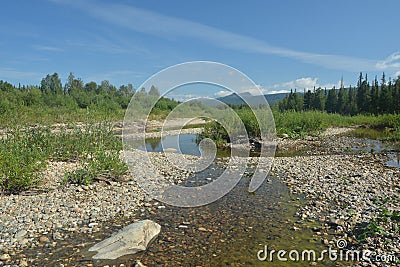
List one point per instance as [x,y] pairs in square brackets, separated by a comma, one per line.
[183,143]
[395,160]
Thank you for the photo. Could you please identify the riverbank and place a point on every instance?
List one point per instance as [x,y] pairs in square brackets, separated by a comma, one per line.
[344,190]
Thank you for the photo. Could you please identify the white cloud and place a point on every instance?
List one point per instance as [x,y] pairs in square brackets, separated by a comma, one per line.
[12,74]
[300,84]
[148,22]
[397,74]
[47,48]
[222,93]
[392,61]
[277,92]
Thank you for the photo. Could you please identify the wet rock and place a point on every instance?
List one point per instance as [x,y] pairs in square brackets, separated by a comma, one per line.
[129,240]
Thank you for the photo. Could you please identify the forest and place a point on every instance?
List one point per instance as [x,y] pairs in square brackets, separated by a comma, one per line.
[366,98]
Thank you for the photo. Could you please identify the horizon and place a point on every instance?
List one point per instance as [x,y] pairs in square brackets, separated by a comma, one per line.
[280,46]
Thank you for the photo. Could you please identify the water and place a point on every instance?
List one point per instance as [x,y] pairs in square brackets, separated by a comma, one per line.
[185,143]
[395,160]
[228,232]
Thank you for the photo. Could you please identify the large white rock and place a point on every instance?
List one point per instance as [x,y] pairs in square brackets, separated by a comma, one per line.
[129,240]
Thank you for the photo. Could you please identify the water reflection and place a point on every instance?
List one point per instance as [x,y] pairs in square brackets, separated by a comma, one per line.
[395,160]
[183,143]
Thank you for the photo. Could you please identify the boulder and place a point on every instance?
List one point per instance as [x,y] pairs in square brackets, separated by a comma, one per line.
[129,240]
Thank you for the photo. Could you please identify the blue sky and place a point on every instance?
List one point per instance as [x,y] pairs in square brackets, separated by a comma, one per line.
[278,44]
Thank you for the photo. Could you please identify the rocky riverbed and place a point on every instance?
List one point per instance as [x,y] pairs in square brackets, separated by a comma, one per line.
[343,191]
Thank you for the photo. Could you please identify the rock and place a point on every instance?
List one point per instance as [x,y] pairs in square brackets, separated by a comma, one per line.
[5,257]
[202,229]
[23,263]
[139,264]
[129,240]
[91,225]
[170,150]
[20,234]
[43,239]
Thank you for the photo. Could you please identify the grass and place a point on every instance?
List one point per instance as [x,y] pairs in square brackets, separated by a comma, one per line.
[312,123]
[26,146]
[377,226]
[25,151]
[299,124]
[47,115]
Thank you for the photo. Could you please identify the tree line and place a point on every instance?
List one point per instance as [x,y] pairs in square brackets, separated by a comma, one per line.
[74,93]
[366,98]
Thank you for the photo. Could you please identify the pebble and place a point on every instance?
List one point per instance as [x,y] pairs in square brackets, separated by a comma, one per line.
[20,234]
[338,188]
[44,239]
[5,257]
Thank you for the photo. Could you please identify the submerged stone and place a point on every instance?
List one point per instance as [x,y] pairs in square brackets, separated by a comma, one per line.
[129,240]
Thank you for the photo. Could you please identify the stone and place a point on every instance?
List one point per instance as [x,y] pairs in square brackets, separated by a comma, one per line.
[5,257]
[43,239]
[129,240]
[92,224]
[23,263]
[170,150]
[139,264]
[20,234]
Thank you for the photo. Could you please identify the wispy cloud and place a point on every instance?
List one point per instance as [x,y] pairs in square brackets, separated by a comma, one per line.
[47,48]
[148,22]
[306,83]
[222,93]
[13,74]
[392,61]
[112,75]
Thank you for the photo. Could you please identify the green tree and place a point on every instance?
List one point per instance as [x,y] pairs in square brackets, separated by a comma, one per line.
[154,91]
[51,84]
[332,101]
[342,100]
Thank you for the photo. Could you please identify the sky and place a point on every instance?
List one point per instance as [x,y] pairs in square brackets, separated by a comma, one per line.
[280,45]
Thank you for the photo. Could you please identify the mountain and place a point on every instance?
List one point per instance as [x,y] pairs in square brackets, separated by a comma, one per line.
[237,99]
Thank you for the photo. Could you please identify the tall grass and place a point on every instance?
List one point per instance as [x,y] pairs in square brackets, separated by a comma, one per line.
[297,124]
[25,151]
[301,124]
[49,115]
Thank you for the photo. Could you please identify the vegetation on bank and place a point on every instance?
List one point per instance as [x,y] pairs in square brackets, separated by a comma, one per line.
[298,115]
[365,98]
[25,153]
[28,143]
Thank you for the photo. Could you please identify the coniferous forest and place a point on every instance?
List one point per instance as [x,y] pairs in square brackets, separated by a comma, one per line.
[376,97]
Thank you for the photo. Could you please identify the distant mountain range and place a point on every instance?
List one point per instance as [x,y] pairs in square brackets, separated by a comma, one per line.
[237,99]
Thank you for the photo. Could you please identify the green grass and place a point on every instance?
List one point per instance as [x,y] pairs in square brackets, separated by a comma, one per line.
[102,165]
[299,124]
[25,151]
[50,115]
[312,123]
